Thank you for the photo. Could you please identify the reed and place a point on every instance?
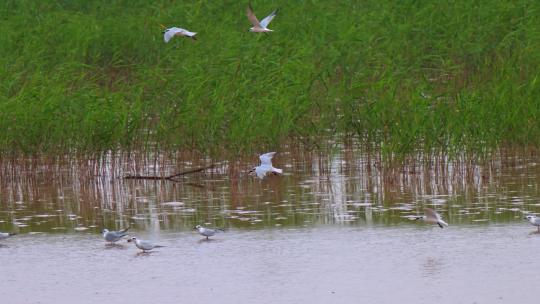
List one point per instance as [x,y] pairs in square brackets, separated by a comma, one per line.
[93,76]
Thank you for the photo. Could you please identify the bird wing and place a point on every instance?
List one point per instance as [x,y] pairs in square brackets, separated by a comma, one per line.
[268,19]
[431,214]
[209,232]
[169,33]
[266,159]
[189,34]
[146,245]
[251,16]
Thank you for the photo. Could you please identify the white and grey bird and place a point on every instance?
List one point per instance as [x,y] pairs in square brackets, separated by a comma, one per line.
[144,245]
[114,236]
[169,33]
[5,235]
[432,217]
[207,232]
[535,221]
[266,166]
[259,27]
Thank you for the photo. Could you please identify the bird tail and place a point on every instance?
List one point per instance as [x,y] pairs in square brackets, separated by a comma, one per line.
[12,233]
[159,246]
[125,230]
[279,171]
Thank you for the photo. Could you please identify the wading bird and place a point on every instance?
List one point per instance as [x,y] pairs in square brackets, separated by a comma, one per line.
[266,166]
[259,27]
[114,236]
[5,235]
[535,221]
[432,217]
[207,232]
[169,33]
[143,245]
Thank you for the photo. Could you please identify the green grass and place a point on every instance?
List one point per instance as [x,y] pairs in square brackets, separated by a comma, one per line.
[91,76]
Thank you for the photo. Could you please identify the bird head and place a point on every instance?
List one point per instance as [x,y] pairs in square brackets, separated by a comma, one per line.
[197,227]
[163,27]
[104,230]
[133,239]
[529,217]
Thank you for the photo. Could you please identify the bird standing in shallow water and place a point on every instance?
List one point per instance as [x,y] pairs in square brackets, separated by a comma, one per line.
[432,217]
[114,236]
[144,245]
[266,166]
[535,221]
[207,232]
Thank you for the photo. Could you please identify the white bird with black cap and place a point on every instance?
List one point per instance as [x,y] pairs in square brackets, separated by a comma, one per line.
[266,166]
[535,221]
[169,33]
[207,232]
[262,26]
[144,245]
[432,217]
[114,236]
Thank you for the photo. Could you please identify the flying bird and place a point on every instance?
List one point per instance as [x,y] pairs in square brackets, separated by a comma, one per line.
[169,33]
[207,232]
[535,221]
[114,236]
[266,166]
[259,27]
[144,245]
[432,217]
[5,235]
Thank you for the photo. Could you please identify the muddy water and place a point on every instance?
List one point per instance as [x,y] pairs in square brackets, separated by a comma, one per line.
[335,227]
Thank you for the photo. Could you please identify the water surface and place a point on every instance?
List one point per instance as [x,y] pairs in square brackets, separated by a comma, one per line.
[335,227]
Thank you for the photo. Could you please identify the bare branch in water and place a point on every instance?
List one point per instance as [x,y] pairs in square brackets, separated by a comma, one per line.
[170,177]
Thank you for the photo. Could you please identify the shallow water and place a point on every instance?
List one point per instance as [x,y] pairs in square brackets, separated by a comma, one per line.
[463,264]
[335,227]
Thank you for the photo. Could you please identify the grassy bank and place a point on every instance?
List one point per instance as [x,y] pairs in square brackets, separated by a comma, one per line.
[95,75]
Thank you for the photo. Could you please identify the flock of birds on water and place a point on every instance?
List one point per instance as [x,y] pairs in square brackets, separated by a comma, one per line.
[261,171]
[265,168]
